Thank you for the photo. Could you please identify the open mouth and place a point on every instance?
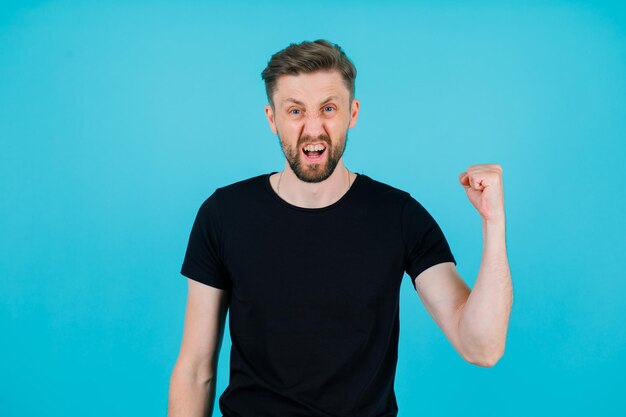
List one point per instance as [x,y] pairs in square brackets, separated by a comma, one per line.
[314,152]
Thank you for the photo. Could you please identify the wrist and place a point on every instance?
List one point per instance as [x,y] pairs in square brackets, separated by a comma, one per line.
[495,227]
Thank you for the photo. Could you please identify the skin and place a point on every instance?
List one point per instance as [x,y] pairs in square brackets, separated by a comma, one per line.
[193,379]
[474,321]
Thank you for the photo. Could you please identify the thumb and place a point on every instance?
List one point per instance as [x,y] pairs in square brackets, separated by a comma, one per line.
[464,179]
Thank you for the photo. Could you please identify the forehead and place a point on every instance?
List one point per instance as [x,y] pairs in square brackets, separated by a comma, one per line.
[310,86]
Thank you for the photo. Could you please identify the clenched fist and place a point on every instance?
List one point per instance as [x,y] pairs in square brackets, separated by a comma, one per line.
[483,185]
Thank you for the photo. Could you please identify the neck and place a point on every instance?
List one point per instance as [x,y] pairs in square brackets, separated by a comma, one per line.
[313,195]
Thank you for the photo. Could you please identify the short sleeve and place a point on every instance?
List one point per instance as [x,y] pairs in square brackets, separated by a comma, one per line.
[203,259]
[425,243]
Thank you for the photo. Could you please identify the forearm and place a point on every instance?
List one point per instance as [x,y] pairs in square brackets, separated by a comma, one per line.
[484,318]
[190,396]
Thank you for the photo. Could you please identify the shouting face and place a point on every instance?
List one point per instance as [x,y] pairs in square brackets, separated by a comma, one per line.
[311,116]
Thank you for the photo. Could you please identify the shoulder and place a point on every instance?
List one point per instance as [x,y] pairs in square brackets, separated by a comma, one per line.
[227,197]
[400,201]
[383,191]
[238,191]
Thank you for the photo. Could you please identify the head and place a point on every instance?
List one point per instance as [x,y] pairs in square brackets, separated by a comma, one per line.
[310,89]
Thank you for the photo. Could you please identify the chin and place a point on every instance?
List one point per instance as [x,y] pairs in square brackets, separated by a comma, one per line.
[314,175]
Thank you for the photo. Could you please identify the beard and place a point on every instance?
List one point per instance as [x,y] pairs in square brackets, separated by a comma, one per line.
[308,172]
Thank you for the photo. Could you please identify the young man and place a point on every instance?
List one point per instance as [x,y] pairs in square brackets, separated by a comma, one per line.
[309,262]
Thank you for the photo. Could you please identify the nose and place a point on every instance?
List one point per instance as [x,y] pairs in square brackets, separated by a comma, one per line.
[314,126]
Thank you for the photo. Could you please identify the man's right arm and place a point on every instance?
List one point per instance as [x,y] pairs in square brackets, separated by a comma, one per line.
[192,383]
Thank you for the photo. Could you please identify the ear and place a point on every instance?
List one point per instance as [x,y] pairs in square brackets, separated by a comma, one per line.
[354,112]
[269,113]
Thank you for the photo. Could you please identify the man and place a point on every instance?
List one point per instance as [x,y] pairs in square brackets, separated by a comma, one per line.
[309,262]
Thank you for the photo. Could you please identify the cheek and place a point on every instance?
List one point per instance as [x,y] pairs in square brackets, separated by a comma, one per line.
[292,130]
[339,129]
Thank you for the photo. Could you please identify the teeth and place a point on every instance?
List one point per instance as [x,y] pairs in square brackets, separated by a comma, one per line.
[314,148]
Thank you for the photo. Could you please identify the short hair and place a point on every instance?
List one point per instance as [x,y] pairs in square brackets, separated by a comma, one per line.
[308,57]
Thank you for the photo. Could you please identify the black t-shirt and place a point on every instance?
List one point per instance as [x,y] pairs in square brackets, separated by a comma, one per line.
[314,294]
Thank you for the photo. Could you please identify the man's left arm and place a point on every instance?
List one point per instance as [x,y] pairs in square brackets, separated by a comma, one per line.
[475,321]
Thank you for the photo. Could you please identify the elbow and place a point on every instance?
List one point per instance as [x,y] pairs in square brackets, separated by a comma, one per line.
[486,362]
[486,359]
[199,375]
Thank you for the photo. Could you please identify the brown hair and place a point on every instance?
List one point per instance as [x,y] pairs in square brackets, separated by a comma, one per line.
[307,57]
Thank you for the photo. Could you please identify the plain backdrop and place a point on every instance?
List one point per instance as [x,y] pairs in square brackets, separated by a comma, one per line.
[117,120]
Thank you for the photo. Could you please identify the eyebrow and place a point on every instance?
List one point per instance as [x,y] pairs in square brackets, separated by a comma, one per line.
[298,102]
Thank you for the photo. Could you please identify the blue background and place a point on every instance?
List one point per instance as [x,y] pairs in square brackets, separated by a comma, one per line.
[118,119]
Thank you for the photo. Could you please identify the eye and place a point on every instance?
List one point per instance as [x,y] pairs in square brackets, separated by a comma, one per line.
[294,111]
[329,108]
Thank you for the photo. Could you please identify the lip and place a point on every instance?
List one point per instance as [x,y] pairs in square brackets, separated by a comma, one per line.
[324,144]
[319,158]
